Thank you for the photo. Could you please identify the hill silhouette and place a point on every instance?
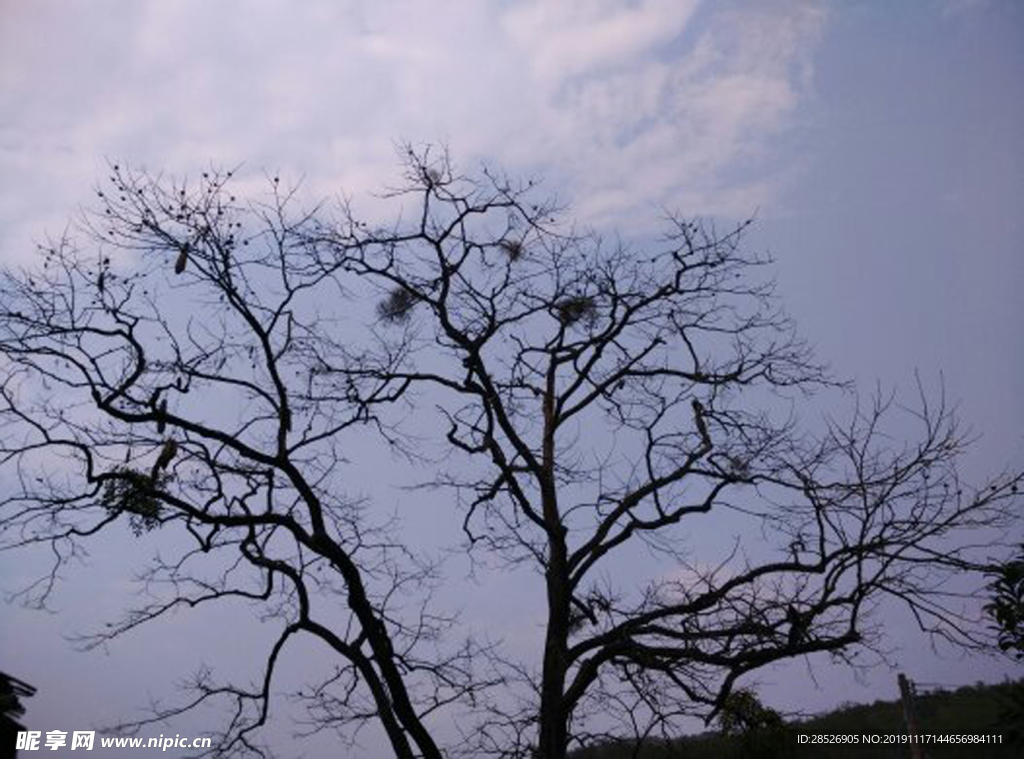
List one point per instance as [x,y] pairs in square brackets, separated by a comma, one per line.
[971,710]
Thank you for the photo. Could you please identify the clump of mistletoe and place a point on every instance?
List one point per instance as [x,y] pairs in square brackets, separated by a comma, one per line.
[136,493]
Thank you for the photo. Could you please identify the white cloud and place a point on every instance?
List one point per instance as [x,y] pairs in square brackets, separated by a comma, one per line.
[625,107]
[564,39]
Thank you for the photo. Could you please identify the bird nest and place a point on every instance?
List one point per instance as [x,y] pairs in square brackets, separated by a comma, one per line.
[396,308]
[577,309]
[130,491]
[514,249]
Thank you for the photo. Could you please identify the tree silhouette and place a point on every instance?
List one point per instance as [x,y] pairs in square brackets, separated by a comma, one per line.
[609,417]
[1007,605]
[12,690]
[1006,610]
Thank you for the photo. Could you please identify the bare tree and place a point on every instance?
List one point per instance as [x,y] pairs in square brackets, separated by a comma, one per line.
[205,367]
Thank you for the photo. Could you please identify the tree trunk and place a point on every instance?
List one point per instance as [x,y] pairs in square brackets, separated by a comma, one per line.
[553,739]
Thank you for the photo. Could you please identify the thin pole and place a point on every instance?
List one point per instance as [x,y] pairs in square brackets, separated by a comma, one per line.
[910,715]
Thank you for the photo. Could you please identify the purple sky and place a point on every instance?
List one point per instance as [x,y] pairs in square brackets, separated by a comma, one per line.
[878,144]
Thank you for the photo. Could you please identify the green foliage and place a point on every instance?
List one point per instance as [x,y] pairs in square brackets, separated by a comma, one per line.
[743,713]
[1007,611]
[1007,605]
[1010,721]
[134,492]
[760,730]
[971,710]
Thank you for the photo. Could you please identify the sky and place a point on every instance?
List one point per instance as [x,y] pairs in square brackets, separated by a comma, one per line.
[876,143]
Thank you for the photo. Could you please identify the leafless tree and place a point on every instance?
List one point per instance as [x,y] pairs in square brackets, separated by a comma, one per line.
[201,368]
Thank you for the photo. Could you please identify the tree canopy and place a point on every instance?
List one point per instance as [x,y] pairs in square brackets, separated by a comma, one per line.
[197,365]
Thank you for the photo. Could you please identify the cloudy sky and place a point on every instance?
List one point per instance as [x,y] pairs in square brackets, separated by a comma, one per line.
[876,142]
